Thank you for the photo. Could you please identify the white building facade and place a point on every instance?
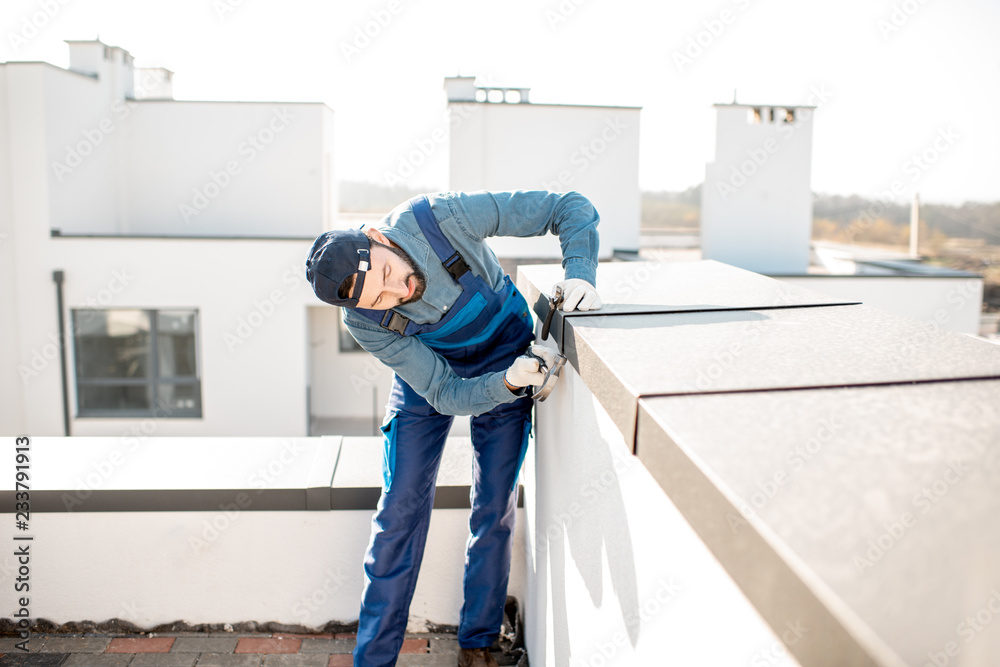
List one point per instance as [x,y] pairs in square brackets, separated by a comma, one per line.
[499,140]
[164,241]
[756,204]
[756,213]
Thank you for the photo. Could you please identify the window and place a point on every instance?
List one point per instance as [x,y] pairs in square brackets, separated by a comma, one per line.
[136,363]
[346,340]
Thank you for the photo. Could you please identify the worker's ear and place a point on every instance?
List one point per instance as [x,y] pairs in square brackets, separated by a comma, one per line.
[378,236]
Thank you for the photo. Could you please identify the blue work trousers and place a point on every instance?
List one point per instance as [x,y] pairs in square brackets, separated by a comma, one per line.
[415,435]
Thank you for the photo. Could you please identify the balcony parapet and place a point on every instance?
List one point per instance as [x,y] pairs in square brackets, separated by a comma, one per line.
[839,462]
[192,474]
[211,530]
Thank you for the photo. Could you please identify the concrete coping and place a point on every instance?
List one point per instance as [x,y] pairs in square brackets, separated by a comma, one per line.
[114,474]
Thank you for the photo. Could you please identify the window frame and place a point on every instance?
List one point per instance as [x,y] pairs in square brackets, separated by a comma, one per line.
[152,382]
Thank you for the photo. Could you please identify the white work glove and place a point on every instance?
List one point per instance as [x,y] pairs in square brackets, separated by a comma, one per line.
[526,371]
[547,353]
[579,295]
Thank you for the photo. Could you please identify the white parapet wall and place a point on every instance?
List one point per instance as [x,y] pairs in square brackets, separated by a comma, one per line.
[275,535]
[226,566]
[615,574]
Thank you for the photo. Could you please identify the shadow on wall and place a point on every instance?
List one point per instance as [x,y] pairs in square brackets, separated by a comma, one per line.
[582,526]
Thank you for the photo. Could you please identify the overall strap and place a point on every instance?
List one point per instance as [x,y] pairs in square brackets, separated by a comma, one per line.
[391,320]
[452,261]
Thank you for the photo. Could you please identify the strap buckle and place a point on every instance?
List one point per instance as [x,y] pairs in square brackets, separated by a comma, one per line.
[456,266]
[393,321]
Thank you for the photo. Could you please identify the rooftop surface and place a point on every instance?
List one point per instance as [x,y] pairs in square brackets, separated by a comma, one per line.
[221,649]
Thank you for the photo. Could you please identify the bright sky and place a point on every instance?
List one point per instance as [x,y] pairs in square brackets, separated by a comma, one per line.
[892,74]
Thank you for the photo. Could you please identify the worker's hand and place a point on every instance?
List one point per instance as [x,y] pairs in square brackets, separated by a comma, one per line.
[579,295]
[524,372]
[548,355]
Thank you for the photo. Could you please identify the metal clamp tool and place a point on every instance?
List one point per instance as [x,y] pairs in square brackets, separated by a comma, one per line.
[542,391]
[555,301]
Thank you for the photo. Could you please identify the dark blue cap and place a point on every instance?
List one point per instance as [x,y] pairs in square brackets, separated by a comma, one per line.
[334,257]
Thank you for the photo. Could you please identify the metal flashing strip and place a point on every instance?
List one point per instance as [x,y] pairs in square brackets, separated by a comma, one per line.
[223,500]
[164,500]
[215,474]
[771,577]
[778,349]
[329,473]
[793,438]
[56,233]
[849,501]
[445,498]
[559,318]
[648,288]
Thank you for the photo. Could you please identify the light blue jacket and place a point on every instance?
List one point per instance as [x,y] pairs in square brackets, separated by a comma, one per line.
[466,220]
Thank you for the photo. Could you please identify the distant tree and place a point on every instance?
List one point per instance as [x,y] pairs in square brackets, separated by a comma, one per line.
[971,220]
[662,209]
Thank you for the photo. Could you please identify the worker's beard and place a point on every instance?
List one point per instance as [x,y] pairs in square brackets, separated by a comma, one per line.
[418,276]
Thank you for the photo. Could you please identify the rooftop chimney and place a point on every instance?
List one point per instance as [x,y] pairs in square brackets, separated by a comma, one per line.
[464,89]
[101,61]
[460,88]
[756,201]
[154,83]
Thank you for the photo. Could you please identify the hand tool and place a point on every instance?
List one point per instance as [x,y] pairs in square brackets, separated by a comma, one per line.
[554,302]
[542,391]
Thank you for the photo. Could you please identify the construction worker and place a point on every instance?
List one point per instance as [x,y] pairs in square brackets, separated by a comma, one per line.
[426,295]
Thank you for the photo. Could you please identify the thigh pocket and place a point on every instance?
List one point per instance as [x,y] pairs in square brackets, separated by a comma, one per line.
[524,449]
[388,451]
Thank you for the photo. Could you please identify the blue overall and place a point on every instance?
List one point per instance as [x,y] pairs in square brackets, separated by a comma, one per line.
[483,332]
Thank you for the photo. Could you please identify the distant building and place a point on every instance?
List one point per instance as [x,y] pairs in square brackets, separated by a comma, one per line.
[756,204]
[499,140]
[124,157]
[756,213]
[166,241]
